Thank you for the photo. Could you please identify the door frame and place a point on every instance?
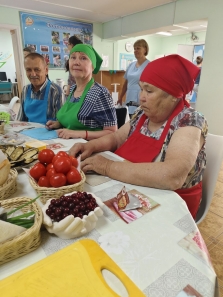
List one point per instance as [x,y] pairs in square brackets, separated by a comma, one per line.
[18,53]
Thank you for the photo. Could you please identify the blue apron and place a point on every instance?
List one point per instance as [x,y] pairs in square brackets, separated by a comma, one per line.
[36,110]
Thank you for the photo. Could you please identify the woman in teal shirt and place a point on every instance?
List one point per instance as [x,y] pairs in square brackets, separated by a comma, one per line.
[132,75]
[89,111]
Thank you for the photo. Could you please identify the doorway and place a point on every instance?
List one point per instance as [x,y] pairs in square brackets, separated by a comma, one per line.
[17,78]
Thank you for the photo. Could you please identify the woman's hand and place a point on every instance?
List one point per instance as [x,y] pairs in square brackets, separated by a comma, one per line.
[98,164]
[50,125]
[83,149]
[119,101]
[66,133]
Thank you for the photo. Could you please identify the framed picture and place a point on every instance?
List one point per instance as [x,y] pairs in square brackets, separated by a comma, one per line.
[49,36]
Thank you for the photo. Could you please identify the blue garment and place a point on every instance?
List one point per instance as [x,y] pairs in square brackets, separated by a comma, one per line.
[132,76]
[54,100]
[197,80]
[34,108]
[40,133]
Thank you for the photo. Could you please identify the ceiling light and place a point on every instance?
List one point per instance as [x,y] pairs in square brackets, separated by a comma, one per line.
[181,26]
[164,33]
[205,26]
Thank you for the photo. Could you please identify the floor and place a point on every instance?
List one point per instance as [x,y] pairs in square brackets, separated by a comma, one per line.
[211,229]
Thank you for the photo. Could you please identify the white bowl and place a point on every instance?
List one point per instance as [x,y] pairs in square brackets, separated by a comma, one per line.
[70,226]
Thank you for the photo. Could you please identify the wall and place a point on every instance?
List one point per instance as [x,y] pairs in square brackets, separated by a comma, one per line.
[9,16]
[6,55]
[139,24]
[159,45]
[210,101]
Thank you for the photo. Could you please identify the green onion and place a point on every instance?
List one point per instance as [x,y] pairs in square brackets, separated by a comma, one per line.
[25,215]
[31,201]
[23,220]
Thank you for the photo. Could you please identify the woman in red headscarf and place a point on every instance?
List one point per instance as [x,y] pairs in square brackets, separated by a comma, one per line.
[164,141]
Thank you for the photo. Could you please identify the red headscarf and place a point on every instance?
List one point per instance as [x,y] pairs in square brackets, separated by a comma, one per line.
[172,74]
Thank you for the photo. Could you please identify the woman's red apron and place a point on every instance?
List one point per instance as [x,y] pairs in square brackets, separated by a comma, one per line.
[139,148]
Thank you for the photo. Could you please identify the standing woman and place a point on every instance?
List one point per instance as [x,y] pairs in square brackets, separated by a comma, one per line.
[199,61]
[73,40]
[132,75]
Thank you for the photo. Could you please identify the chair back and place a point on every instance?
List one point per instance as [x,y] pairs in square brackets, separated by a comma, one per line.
[13,102]
[5,87]
[214,151]
[121,116]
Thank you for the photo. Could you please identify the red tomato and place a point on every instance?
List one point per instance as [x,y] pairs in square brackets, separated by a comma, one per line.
[49,166]
[37,171]
[44,182]
[55,158]
[46,156]
[62,154]
[58,180]
[50,172]
[74,161]
[73,176]
[62,165]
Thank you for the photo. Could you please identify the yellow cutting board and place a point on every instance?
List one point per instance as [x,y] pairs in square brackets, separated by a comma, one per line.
[74,271]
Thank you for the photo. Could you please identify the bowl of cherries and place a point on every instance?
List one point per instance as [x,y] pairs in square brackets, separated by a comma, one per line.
[72,215]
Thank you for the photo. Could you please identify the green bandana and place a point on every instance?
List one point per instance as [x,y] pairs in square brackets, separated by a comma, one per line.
[91,53]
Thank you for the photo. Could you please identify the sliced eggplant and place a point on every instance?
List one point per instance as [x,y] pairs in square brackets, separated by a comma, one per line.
[30,153]
[10,149]
[17,153]
[20,159]
[28,161]
[35,157]
[17,163]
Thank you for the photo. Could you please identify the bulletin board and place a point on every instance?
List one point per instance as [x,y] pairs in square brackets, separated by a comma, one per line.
[125,60]
[49,36]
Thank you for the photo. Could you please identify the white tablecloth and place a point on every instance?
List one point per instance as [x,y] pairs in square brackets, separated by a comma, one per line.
[162,252]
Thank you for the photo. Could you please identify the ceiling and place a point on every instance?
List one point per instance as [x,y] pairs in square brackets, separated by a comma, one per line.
[101,11]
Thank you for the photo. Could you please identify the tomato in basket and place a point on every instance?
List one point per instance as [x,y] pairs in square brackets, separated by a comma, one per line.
[44,182]
[62,165]
[58,180]
[50,172]
[37,171]
[74,161]
[55,170]
[73,176]
[62,154]
[45,156]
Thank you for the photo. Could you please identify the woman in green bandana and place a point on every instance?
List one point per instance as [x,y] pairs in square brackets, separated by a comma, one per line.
[89,111]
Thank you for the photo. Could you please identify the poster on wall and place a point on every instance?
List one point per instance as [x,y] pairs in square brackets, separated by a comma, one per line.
[125,60]
[49,36]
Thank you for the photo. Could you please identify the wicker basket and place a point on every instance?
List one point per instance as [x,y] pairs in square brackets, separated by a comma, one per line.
[10,186]
[49,193]
[28,240]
